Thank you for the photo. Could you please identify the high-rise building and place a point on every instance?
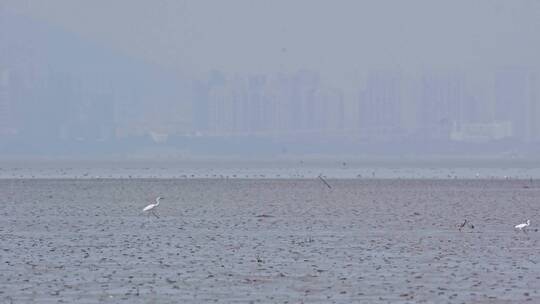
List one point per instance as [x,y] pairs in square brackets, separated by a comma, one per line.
[535,107]
[244,106]
[275,106]
[379,105]
[256,105]
[302,86]
[228,109]
[328,112]
[516,101]
[6,113]
[279,95]
[218,100]
[201,100]
[443,101]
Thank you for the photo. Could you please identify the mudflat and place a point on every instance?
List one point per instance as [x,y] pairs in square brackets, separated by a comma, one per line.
[269,241]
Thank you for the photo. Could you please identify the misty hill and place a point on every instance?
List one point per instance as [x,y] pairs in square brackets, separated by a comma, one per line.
[64,86]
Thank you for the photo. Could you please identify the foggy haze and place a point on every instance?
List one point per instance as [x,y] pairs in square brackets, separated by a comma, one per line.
[269,78]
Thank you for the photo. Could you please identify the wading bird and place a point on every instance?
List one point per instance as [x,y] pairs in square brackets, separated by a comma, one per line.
[463,225]
[522,226]
[152,207]
[465,222]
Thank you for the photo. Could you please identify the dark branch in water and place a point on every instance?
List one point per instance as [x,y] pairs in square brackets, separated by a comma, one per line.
[324,181]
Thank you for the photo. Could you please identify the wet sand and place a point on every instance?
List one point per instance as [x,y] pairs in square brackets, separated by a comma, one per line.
[269,241]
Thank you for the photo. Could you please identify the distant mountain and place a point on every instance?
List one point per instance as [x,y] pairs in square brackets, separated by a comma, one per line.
[65,86]
[27,41]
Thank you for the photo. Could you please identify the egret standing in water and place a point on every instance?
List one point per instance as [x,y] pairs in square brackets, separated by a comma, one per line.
[152,207]
[470,225]
[522,226]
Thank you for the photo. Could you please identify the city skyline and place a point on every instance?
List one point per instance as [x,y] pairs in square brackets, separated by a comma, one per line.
[60,85]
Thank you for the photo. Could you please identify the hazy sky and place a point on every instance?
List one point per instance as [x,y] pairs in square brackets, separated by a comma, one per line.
[338,38]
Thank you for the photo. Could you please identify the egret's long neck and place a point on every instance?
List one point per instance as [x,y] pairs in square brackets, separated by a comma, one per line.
[157,200]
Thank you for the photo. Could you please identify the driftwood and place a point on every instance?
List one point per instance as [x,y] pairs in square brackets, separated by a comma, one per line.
[324,181]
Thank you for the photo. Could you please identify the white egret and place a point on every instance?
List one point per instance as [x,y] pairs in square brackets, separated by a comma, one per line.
[523,225]
[152,207]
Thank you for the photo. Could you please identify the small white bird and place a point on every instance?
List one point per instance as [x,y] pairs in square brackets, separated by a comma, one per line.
[523,225]
[152,207]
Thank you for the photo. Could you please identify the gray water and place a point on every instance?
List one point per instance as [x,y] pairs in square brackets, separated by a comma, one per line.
[275,169]
[269,241]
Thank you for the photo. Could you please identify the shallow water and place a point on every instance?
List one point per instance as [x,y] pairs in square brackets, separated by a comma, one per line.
[269,241]
[277,169]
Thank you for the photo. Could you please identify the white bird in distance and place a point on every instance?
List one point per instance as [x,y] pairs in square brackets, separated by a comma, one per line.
[523,225]
[152,207]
